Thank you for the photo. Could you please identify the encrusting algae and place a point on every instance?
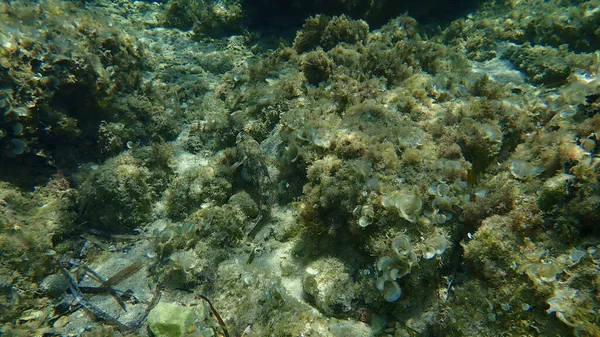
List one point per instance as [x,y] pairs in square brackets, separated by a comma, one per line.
[332,169]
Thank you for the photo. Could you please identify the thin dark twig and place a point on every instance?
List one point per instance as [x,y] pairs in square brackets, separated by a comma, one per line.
[217,316]
[123,274]
[98,290]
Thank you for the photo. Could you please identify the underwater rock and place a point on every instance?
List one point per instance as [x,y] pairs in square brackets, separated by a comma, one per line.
[171,320]
[54,285]
[116,196]
[555,191]
[543,65]
[246,204]
[349,328]
[329,286]
[201,185]
[66,84]
[253,162]
[205,18]
[316,67]
[327,32]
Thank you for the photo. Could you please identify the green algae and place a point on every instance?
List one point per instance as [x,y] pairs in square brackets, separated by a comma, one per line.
[313,181]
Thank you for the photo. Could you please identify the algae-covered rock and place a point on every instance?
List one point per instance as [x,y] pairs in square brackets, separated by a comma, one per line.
[116,195]
[66,79]
[350,328]
[171,320]
[316,67]
[328,32]
[205,17]
[555,191]
[29,225]
[244,201]
[329,286]
[545,65]
[195,187]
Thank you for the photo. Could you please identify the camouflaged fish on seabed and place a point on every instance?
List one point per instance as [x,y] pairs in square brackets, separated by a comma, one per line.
[253,162]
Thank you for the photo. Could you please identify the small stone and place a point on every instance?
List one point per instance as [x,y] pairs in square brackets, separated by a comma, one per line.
[61,322]
[54,285]
[171,320]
